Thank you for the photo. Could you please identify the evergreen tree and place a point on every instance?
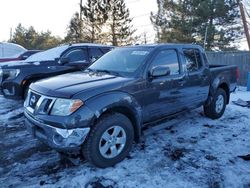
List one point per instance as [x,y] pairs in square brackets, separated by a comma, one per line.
[75,30]
[93,17]
[19,36]
[31,39]
[102,21]
[188,20]
[173,21]
[119,27]
[221,18]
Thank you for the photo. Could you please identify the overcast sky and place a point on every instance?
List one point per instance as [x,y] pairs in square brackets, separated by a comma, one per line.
[54,15]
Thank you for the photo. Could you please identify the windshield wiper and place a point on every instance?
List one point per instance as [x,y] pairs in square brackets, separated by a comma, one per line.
[89,70]
[109,72]
[102,71]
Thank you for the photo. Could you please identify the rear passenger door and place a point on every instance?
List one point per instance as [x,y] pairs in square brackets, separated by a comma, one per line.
[197,80]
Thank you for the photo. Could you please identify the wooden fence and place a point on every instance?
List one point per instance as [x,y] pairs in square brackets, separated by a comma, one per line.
[241,59]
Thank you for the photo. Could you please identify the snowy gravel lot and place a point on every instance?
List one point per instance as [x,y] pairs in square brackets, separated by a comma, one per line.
[198,152]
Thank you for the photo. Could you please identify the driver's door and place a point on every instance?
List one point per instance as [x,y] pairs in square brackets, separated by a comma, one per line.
[163,94]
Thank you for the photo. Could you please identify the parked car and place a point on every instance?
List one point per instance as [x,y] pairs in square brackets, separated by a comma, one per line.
[21,56]
[15,77]
[10,49]
[99,112]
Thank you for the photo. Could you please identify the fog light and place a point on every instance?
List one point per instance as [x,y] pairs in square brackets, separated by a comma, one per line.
[70,138]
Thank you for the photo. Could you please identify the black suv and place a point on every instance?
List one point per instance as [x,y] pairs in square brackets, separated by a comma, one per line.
[15,77]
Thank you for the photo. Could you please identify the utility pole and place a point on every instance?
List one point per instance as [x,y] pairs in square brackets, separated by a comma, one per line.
[244,20]
[205,39]
[80,14]
[10,33]
[80,10]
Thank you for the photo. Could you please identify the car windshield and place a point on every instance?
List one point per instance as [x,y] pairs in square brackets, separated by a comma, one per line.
[48,55]
[122,61]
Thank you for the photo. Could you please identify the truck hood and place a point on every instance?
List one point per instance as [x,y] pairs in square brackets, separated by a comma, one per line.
[81,84]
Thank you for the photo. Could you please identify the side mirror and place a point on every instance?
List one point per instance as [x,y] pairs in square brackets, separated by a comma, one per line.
[159,71]
[64,60]
[24,57]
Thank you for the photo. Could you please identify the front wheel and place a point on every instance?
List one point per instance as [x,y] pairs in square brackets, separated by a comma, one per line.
[109,141]
[217,106]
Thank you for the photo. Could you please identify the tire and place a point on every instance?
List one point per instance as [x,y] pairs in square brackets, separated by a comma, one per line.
[97,148]
[217,106]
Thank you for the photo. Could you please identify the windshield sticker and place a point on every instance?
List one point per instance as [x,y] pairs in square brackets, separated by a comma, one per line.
[139,53]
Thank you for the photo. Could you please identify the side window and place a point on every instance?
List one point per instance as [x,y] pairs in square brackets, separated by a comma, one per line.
[193,59]
[78,55]
[95,53]
[168,58]
[25,55]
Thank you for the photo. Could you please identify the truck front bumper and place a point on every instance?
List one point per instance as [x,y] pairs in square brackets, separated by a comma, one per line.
[67,140]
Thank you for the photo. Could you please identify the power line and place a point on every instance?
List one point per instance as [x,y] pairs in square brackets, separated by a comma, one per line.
[146,25]
[142,15]
[132,1]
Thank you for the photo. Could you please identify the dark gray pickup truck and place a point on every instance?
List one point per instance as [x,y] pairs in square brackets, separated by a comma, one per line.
[99,112]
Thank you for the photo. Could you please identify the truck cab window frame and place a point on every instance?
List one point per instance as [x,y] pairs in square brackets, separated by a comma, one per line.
[192,59]
[82,55]
[175,68]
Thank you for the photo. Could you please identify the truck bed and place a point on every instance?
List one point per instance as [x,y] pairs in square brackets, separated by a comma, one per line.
[226,72]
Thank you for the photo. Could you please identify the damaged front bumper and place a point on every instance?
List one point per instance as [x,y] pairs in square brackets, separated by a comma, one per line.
[66,140]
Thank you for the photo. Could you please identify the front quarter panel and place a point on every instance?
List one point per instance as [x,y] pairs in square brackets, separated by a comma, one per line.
[111,100]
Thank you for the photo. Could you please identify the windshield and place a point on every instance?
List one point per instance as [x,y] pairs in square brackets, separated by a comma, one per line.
[123,61]
[48,55]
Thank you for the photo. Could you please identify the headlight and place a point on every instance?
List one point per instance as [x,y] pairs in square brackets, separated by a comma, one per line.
[10,73]
[65,107]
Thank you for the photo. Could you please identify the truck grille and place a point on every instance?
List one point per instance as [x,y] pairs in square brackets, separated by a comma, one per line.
[37,103]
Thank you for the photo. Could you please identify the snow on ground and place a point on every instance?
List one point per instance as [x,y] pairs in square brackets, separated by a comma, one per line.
[198,152]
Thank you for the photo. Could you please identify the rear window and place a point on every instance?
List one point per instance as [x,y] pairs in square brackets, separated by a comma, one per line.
[193,59]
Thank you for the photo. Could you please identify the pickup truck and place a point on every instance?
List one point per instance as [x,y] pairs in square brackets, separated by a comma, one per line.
[101,111]
[15,77]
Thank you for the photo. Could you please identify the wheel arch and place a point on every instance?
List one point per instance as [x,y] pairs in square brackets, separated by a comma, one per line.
[118,102]
[225,87]
[220,82]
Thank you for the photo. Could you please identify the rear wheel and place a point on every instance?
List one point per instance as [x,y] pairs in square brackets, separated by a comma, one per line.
[109,141]
[217,106]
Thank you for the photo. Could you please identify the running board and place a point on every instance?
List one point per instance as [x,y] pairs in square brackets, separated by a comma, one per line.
[168,123]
